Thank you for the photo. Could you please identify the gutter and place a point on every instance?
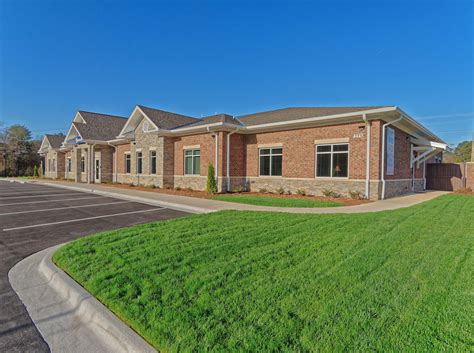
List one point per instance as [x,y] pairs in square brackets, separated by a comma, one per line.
[383,153]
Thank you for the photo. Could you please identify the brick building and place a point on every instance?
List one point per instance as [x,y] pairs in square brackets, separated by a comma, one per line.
[336,148]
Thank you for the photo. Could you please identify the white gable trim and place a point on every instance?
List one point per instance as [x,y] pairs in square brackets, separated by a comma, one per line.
[79,119]
[134,120]
[45,145]
[68,137]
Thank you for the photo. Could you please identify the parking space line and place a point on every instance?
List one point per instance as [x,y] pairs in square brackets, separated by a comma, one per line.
[22,197]
[21,191]
[27,194]
[83,219]
[43,201]
[65,208]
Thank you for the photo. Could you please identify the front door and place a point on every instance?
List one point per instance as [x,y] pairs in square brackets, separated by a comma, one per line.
[97,167]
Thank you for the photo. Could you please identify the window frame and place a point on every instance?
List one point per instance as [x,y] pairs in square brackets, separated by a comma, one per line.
[127,157]
[192,156]
[69,164]
[83,164]
[271,154]
[331,153]
[152,155]
[139,170]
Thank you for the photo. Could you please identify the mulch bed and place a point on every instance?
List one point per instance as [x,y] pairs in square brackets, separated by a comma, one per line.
[205,195]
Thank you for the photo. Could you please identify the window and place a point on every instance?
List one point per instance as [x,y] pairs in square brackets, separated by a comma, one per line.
[152,162]
[54,165]
[49,165]
[332,160]
[192,162]
[69,165]
[83,164]
[128,163]
[139,163]
[271,161]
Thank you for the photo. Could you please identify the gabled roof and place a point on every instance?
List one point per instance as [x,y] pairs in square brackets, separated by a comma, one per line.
[55,141]
[100,127]
[296,113]
[212,119]
[166,120]
[50,142]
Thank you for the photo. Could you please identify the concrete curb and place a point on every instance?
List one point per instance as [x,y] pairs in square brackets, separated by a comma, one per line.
[67,316]
[174,206]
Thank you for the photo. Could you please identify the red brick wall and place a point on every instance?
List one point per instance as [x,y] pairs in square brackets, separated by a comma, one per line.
[207,147]
[121,149]
[237,155]
[299,149]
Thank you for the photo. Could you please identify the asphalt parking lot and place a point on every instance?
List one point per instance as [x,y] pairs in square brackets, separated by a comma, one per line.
[34,217]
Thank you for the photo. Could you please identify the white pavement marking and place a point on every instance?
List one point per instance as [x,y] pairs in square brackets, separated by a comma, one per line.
[22,197]
[76,198]
[64,208]
[83,219]
[45,192]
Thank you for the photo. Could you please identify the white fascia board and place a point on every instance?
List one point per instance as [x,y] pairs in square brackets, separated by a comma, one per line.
[118,141]
[78,119]
[428,143]
[69,133]
[129,127]
[321,118]
[420,126]
[43,147]
[202,127]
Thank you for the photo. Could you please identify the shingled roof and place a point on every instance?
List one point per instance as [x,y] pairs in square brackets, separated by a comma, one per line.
[166,120]
[101,127]
[55,141]
[296,113]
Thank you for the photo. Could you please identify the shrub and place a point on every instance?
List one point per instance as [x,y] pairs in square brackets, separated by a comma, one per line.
[189,188]
[211,186]
[330,193]
[131,184]
[239,189]
[301,192]
[356,195]
[263,191]
[150,186]
[35,171]
[178,188]
[280,190]
[289,192]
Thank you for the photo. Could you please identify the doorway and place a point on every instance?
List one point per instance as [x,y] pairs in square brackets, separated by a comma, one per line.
[97,167]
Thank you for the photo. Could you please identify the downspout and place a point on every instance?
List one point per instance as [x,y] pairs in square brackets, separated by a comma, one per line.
[412,164]
[367,163]
[228,159]
[383,153]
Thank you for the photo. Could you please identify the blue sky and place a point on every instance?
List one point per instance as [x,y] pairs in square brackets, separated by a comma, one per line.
[198,58]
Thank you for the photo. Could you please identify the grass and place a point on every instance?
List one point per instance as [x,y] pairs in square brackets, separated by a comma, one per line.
[276,201]
[260,281]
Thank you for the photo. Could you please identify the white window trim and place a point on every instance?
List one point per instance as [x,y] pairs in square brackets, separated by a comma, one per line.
[270,155]
[331,153]
[192,159]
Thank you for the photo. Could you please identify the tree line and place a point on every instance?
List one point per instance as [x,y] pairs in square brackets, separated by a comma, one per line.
[18,150]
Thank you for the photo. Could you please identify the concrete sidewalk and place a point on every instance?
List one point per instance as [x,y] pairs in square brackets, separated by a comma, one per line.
[68,317]
[200,205]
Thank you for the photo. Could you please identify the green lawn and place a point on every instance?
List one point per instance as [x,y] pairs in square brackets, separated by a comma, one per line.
[259,281]
[276,201]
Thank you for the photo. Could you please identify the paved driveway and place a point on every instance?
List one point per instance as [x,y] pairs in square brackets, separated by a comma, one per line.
[35,217]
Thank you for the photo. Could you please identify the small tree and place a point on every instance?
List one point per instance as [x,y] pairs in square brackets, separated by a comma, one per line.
[211,186]
[35,171]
